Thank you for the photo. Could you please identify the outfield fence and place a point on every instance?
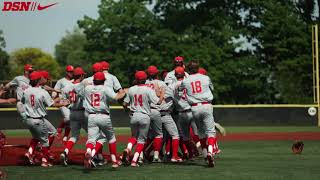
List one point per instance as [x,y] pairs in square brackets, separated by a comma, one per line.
[228,115]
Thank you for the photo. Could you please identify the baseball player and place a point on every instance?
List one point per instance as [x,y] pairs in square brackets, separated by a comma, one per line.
[199,95]
[155,131]
[77,116]
[65,123]
[184,113]
[139,99]
[113,83]
[170,77]
[96,104]
[111,80]
[21,83]
[35,100]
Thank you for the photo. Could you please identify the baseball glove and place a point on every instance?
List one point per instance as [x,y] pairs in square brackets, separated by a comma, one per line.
[220,129]
[297,147]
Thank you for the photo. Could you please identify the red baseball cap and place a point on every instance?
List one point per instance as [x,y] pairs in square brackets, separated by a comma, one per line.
[28,67]
[78,71]
[96,67]
[69,68]
[141,75]
[35,75]
[202,71]
[152,70]
[105,65]
[178,59]
[44,74]
[99,76]
[179,70]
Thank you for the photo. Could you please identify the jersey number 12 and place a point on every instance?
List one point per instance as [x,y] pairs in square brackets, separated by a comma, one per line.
[95,100]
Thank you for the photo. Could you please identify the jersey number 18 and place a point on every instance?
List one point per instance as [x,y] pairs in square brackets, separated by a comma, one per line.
[196,87]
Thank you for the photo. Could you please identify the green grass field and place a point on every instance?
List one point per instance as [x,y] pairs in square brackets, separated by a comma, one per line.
[238,160]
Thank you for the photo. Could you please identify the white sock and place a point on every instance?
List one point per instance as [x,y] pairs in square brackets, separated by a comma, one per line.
[210,149]
[30,150]
[135,157]
[156,154]
[66,151]
[113,158]
[88,150]
[93,152]
[129,146]
[204,152]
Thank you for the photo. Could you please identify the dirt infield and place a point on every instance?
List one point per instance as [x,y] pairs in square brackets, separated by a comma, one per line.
[14,155]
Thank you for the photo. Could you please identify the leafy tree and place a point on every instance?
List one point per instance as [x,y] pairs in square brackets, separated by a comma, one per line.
[4,57]
[70,49]
[36,57]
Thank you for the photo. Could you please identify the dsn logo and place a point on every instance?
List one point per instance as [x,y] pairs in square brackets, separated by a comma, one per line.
[24,6]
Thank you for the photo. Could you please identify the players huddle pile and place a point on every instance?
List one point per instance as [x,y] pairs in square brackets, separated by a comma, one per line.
[176,112]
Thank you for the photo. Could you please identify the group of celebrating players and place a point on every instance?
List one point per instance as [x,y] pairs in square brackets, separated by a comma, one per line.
[175,113]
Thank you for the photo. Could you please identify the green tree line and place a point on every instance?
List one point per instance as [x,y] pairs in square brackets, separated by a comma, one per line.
[255,51]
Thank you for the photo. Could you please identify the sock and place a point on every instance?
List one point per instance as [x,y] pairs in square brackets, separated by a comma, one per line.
[157,146]
[51,139]
[99,148]
[175,147]
[89,147]
[195,138]
[183,147]
[69,146]
[45,152]
[33,144]
[211,143]
[138,151]
[168,146]
[113,151]
[67,131]
[203,143]
[132,142]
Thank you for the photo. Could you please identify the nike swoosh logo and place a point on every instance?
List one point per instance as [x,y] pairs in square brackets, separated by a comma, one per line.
[40,8]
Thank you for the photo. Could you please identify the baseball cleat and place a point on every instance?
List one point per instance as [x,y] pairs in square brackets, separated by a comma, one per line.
[29,158]
[116,164]
[125,156]
[134,164]
[64,158]
[88,163]
[45,163]
[156,160]
[210,160]
[176,159]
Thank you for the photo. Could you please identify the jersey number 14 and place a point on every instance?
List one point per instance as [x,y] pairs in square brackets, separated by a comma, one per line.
[138,100]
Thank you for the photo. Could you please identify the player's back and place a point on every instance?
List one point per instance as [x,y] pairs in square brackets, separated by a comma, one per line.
[97,98]
[61,83]
[69,92]
[36,100]
[179,96]
[112,81]
[198,88]
[151,83]
[140,97]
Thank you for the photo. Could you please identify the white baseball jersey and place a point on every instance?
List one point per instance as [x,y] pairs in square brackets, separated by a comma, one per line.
[22,83]
[179,96]
[97,98]
[69,92]
[198,88]
[112,81]
[151,83]
[61,83]
[140,97]
[171,78]
[35,100]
